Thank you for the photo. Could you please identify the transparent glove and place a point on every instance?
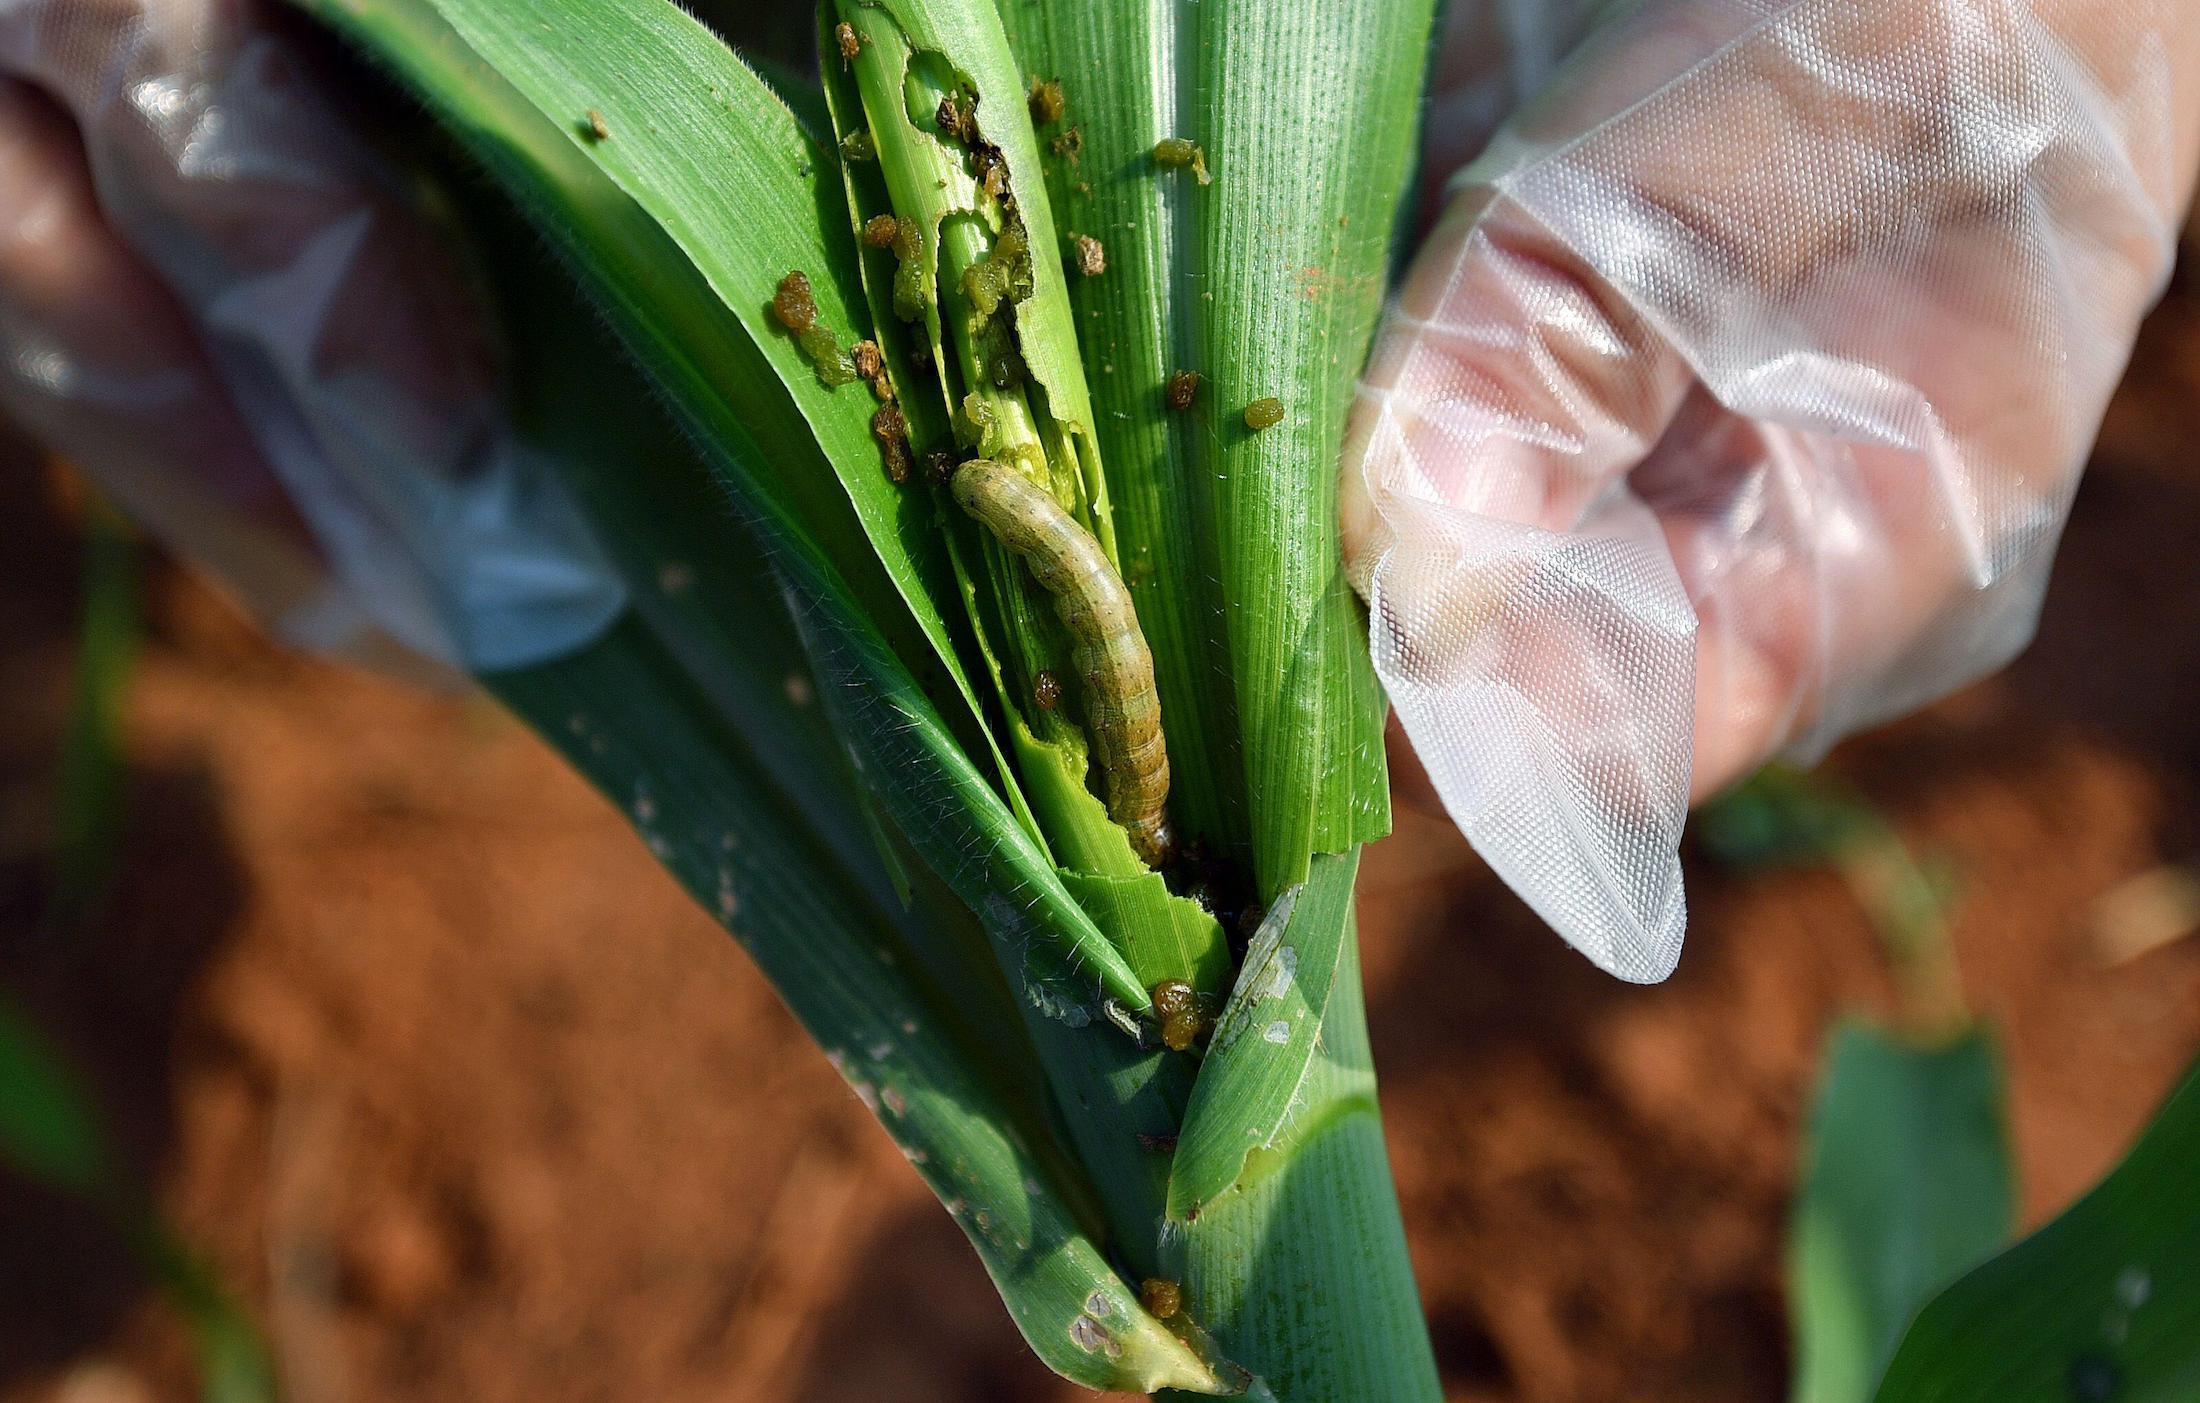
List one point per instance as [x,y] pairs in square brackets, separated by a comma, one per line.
[214,302]
[1738,398]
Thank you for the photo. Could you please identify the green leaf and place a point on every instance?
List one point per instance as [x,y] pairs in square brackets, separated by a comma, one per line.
[753,406]
[1265,1044]
[234,1362]
[626,715]
[1298,1269]
[1906,1184]
[89,802]
[1267,282]
[701,719]
[49,1130]
[2101,1304]
[51,1133]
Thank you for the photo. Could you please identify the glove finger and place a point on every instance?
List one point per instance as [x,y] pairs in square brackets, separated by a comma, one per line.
[1525,616]
[337,318]
[98,360]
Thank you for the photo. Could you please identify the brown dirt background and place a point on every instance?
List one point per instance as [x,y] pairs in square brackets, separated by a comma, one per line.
[420,1047]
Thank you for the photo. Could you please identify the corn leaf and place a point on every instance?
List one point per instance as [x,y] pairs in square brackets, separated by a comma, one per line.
[1265,1044]
[53,1134]
[89,799]
[1298,1269]
[1266,282]
[1907,1183]
[1122,1101]
[738,397]
[2101,1304]
[700,717]
[626,715]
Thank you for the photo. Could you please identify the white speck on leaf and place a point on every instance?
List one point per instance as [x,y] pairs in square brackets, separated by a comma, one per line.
[2133,1286]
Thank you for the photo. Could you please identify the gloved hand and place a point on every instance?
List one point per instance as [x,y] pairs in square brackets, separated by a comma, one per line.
[216,304]
[1738,398]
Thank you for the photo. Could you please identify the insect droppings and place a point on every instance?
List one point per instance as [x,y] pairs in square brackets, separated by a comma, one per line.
[939,466]
[1003,275]
[912,278]
[892,432]
[851,43]
[869,360]
[1046,690]
[1177,1006]
[1183,389]
[594,127]
[992,170]
[957,117]
[1176,153]
[1263,414]
[975,426]
[1121,704]
[794,304]
[1090,255]
[858,146]
[1161,1297]
[1070,145]
[1046,101]
[870,363]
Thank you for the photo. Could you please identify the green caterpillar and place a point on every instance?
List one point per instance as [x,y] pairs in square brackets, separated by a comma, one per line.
[1122,706]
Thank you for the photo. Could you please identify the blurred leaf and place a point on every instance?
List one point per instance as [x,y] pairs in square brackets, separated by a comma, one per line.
[1906,1183]
[2100,1306]
[89,804]
[51,1134]
[1782,817]
[49,1129]
[234,1363]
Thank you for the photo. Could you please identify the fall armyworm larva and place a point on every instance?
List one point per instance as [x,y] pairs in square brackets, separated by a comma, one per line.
[1122,707]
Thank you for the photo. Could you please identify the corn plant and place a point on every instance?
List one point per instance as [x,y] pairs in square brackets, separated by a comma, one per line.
[1016,716]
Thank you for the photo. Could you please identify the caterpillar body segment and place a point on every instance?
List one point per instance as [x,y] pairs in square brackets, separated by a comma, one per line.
[1122,706]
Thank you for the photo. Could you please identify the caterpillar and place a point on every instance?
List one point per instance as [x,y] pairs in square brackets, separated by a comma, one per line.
[1122,706]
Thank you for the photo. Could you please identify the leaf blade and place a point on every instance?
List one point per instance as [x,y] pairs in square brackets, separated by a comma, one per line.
[1907,1183]
[2103,1302]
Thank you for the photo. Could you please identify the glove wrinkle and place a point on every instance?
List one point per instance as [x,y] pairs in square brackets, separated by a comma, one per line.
[316,333]
[1738,402]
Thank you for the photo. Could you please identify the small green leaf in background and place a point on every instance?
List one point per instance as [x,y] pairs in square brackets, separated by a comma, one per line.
[2100,1306]
[88,802]
[1782,817]
[1907,1182]
[50,1133]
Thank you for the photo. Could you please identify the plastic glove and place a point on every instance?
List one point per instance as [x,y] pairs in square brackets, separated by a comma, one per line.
[214,302]
[1738,399]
